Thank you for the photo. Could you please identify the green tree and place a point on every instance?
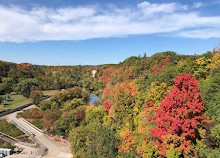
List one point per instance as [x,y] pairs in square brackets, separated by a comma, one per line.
[210,90]
[37,96]
[46,104]
[215,133]
[67,122]
[26,86]
[94,114]
[6,86]
[124,96]
[73,104]
[94,140]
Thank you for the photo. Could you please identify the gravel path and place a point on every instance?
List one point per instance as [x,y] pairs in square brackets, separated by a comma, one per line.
[55,149]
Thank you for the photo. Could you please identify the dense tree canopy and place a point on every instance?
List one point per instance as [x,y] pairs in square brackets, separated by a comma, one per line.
[146,108]
[181,117]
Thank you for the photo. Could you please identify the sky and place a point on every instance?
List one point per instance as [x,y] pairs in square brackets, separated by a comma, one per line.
[92,32]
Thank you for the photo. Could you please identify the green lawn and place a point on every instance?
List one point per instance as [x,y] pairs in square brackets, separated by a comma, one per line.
[49,92]
[14,102]
[19,100]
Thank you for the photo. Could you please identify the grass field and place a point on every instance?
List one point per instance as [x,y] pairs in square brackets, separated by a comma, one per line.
[19,100]
[14,102]
[49,92]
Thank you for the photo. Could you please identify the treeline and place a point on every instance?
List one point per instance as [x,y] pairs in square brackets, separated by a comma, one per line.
[166,105]
[24,78]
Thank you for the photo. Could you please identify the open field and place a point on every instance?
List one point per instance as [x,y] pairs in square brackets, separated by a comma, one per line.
[19,100]
[49,92]
[14,102]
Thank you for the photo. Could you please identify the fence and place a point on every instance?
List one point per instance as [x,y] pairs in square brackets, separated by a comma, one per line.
[39,130]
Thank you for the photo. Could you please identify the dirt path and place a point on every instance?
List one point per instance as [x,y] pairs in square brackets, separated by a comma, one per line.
[28,152]
[55,149]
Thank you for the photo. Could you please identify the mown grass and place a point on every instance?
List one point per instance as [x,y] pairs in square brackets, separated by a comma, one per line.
[15,101]
[19,100]
[49,92]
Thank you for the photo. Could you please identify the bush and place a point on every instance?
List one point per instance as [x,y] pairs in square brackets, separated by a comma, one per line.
[37,96]
[6,145]
[208,153]
[35,113]
[36,122]
[215,133]
[9,129]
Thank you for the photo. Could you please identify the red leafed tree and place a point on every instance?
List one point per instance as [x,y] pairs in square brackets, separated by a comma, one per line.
[181,115]
[107,104]
[80,114]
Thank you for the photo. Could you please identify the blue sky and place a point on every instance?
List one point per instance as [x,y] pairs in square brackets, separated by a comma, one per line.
[73,32]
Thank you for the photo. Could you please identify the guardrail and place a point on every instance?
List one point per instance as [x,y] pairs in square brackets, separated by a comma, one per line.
[22,128]
[32,136]
[39,130]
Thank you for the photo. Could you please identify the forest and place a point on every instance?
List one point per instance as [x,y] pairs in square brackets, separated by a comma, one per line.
[166,105]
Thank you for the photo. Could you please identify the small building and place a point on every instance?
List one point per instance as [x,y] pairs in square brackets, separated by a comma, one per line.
[94,72]
[5,152]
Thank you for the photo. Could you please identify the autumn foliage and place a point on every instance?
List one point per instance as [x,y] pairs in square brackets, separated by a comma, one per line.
[37,96]
[107,104]
[127,141]
[141,101]
[180,117]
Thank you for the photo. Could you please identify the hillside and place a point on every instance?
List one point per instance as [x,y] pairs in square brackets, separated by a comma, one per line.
[166,105]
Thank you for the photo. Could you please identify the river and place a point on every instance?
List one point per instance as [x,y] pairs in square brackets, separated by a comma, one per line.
[93,98]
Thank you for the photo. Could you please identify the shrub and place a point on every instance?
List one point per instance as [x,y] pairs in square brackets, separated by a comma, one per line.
[37,96]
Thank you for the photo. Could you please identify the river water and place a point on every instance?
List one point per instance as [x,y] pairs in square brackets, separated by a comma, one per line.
[93,98]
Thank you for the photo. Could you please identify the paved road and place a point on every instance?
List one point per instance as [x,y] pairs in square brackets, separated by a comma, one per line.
[55,149]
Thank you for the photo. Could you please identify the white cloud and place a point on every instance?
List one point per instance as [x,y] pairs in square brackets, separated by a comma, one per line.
[198,5]
[153,8]
[206,33]
[81,23]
